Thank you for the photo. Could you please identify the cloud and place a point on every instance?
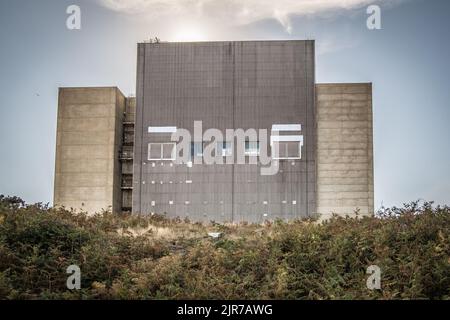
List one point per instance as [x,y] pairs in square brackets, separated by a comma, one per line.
[237,12]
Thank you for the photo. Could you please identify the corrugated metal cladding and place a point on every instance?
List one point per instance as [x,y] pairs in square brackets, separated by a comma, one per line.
[227,85]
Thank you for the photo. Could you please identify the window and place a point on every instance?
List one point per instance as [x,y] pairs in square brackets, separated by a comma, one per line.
[161,151]
[225,149]
[168,151]
[289,147]
[289,150]
[252,148]
[154,151]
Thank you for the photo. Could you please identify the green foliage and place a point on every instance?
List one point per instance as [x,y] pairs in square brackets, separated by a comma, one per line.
[134,257]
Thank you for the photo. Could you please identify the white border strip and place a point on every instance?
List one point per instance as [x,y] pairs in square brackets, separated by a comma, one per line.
[286,139]
[162,129]
[287,127]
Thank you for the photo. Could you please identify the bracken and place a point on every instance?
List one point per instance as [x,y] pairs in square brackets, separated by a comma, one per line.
[297,260]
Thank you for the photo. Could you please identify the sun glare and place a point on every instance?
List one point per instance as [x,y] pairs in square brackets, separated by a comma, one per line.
[189,33]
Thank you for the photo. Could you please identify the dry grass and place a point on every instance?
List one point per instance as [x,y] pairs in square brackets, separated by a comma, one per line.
[133,257]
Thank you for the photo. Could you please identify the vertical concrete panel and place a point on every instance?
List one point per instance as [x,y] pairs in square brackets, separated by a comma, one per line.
[87,171]
[344,149]
[120,111]
[139,131]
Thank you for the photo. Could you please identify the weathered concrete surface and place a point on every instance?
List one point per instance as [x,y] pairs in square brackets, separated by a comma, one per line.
[89,136]
[344,149]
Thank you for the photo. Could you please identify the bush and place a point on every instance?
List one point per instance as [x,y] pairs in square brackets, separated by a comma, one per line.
[133,257]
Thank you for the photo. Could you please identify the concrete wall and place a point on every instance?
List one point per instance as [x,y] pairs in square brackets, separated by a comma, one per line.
[89,136]
[227,85]
[344,149]
[130,110]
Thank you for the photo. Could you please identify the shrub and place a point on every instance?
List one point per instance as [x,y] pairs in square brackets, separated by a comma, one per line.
[174,259]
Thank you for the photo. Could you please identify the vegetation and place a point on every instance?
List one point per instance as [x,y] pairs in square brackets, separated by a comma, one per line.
[131,257]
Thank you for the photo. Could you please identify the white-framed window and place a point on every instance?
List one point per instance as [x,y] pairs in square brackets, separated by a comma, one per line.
[289,150]
[289,147]
[162,151]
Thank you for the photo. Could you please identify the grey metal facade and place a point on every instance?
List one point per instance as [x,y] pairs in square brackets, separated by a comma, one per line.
[226,85]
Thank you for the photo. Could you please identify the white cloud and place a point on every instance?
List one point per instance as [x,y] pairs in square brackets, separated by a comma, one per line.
[236,12]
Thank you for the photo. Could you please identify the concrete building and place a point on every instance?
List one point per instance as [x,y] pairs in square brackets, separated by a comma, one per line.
[344,149]
[118,153]
[89,137]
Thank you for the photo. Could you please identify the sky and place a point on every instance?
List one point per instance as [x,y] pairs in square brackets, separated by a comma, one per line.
[407,62]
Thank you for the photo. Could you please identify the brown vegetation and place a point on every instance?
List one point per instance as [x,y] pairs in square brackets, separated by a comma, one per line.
[132,257]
